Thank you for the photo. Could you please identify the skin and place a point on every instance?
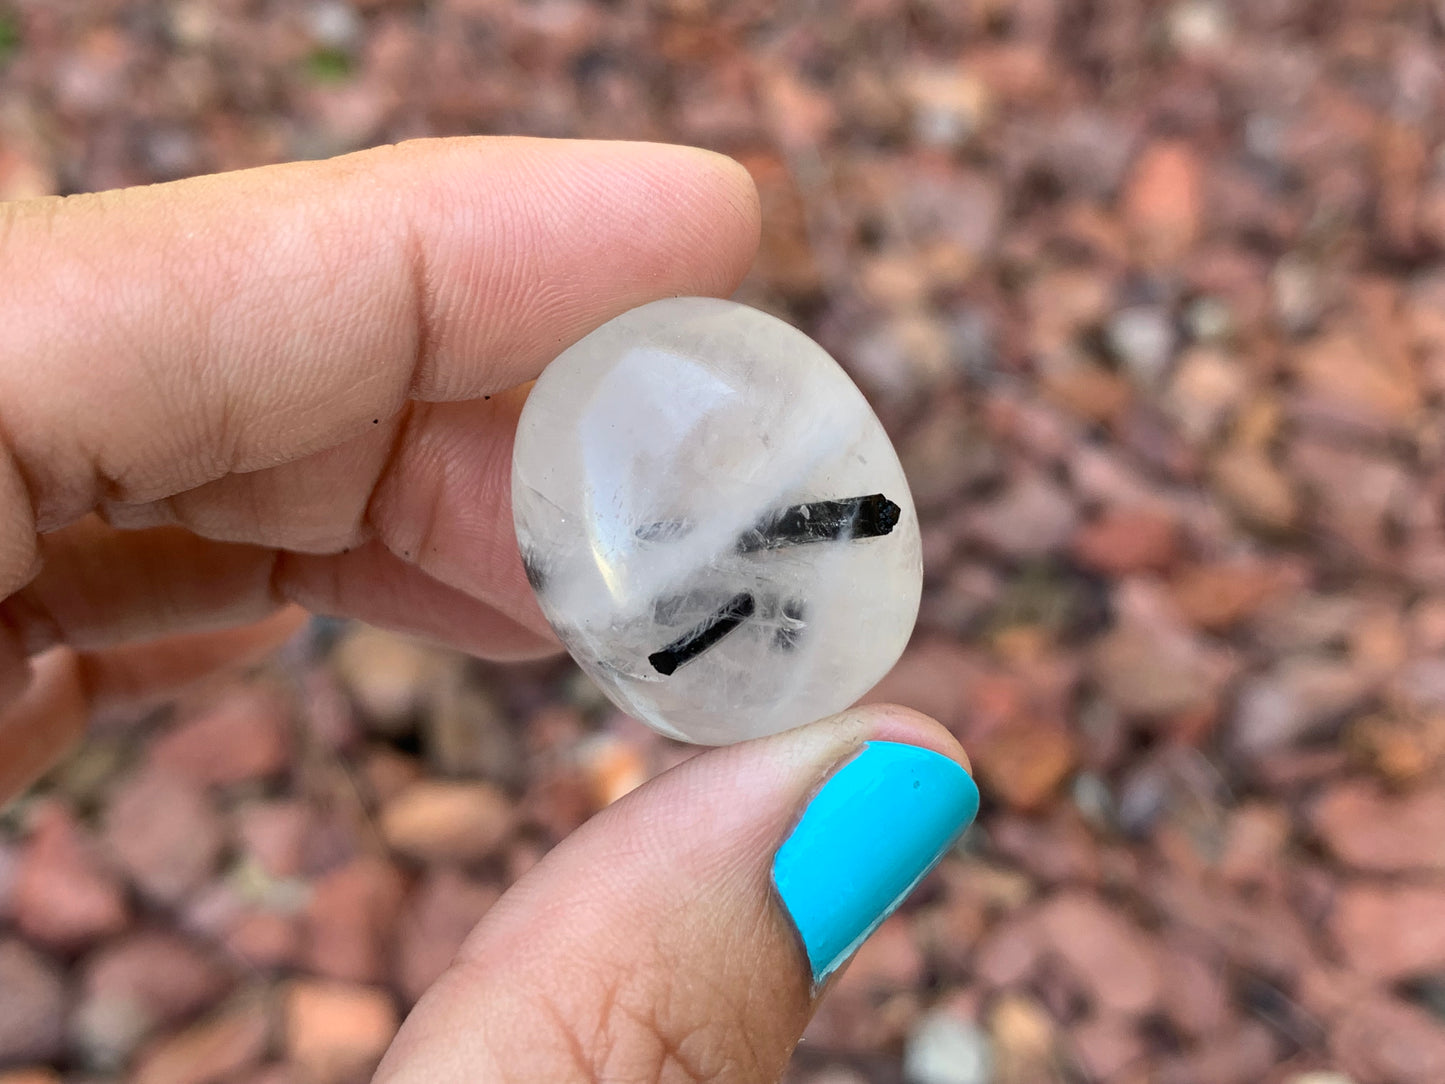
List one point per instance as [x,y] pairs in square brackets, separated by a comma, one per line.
[228,401]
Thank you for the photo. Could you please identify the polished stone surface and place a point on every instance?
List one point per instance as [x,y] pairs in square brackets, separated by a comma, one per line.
[714,521]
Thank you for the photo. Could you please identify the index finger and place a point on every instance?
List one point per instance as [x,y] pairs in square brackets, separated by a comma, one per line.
[157,339]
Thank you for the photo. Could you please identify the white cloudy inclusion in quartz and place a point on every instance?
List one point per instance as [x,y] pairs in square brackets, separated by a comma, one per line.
[714,521]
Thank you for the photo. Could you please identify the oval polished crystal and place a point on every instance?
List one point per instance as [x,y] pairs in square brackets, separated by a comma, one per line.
[714,521]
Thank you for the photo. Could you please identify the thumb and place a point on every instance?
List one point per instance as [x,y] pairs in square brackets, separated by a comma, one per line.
[684,933]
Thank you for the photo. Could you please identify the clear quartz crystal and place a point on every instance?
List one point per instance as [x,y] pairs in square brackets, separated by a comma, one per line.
[714,521]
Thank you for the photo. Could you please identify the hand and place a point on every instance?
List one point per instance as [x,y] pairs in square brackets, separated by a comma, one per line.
[229,400]
[230,397]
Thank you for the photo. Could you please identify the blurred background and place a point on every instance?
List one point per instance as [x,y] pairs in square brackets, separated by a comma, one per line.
[1151,296]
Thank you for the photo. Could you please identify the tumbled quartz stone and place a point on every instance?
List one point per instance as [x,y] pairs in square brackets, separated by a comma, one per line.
[714,521]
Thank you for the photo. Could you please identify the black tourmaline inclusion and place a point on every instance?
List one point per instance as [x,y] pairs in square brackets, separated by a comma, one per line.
[797,525]
[694,642]
[822,521]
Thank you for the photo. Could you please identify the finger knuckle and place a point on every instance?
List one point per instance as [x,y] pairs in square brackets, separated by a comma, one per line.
[679,1033]
[632,1032]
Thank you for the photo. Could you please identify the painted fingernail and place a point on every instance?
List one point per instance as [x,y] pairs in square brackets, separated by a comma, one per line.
[873,831]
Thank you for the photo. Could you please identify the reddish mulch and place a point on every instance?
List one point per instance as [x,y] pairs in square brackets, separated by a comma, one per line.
[1152,298]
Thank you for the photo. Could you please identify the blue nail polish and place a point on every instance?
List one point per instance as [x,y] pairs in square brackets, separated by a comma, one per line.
[874,830]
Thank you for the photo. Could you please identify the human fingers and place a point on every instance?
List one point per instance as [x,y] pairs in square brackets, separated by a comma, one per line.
[162,339]
[62,689]
[260,357]
[438,500]
[124,616]
[100,587]
[686,932]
